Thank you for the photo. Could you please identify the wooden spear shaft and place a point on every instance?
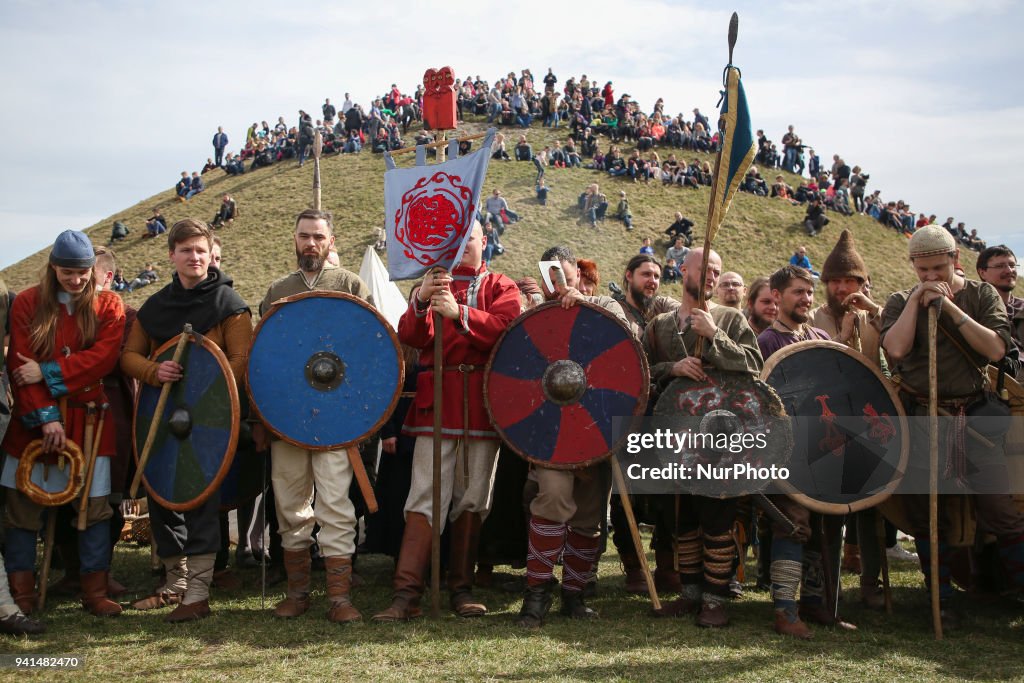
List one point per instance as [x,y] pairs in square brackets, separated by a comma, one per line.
[634,532]
[933,467]
[161,402]
[83,507]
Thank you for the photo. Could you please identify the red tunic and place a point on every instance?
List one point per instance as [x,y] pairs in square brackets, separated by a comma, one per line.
[76,374]
[488,302]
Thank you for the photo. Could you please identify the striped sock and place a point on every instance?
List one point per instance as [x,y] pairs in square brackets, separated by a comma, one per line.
[546,541]
[578,561]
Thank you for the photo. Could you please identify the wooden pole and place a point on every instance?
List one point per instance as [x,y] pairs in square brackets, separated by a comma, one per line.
[90,463]
[318,146]
[161,402]
[359,472]
[933,467]
[634,532]
[437,143]
[886,586]
[44,576]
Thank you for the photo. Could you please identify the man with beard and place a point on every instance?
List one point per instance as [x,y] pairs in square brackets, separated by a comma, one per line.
[974,330]
[762,309]
[476,307]
[199,294]
[641,302]
[998,266]
[793,288]
[850,317]
[640,299]
[730,290]
[566,514]
[704,541]
[295,471]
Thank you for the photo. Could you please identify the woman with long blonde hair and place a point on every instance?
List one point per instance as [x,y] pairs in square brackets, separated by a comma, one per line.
[65,337]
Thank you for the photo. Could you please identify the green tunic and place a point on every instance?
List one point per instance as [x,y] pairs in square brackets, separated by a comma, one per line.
[331,279]
[733,348]
[961,373]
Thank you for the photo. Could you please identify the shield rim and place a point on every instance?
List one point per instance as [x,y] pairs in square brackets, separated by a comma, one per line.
[637,413]
[871,501]
[236,414]
[396,394]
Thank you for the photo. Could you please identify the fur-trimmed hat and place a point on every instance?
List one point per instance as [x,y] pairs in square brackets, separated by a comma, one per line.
[844,261]
[931,240]
[72,249]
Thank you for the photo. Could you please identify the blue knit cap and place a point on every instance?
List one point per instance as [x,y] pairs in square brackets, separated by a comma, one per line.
[72,249]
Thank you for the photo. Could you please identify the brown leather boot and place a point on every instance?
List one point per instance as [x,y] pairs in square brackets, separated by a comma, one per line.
[23,590]
[666,578]
[339,585]
[789,624]
[464,540]
[94,595]
[410,570]
[296,602]
[157,600]
[635,582]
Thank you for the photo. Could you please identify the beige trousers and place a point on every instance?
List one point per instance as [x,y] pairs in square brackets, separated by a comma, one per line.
[462,493]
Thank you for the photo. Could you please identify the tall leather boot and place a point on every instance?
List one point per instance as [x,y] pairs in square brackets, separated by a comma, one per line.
[23,590]
[635,582]
[94,595]
[339,585]
[410,570]
[296,602]
[465,538]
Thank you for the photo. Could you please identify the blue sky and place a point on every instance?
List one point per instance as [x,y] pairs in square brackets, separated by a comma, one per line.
[107,102]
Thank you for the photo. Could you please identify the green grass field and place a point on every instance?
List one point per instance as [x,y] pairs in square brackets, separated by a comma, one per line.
[242,642]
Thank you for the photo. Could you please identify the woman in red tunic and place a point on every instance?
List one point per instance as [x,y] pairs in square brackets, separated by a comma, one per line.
[65,336]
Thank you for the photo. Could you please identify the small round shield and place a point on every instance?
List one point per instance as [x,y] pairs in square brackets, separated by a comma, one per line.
[735,427]
[325,370]
[558,377]
[851,438]
[198,430]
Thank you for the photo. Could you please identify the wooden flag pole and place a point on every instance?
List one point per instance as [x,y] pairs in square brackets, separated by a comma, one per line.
[318,147]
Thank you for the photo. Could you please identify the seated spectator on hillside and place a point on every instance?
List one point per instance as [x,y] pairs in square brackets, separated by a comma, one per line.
[498,149]
[147,277]
[197,185]
[542,192]
[589,143]
[118,232]
[118,284]
[815,220]
[678,250]
[209,165]
[671,273]
[782,190]
[682,227]
[593,204]
[873,205]
[754,183]
[523,151]
[233,165]
[499,212]
[225,214]
[645,247]
[622,211]
[183,186]
[556,157]
[572,156]
[974,242]
[799,258]
[354,143]
[155,224]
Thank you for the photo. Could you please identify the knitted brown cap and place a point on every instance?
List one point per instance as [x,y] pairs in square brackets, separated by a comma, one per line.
[844,261]
[931,240]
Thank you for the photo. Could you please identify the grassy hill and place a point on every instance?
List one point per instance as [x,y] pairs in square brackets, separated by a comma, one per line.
[758,236]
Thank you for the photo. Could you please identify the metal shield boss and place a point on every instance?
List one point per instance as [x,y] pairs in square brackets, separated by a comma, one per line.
[851,437]
[558,377]
[734,431]
[325,370]
[198,430]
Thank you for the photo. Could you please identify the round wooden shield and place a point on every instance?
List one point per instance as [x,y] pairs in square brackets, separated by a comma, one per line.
[325,370]
[198,431]
[734,406]
[851,437]
[556,380]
